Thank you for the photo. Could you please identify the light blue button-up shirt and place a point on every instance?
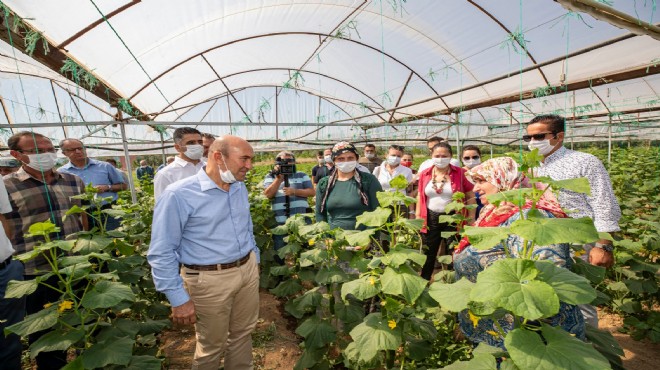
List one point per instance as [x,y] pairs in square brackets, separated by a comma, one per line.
[197,223]
[96,173]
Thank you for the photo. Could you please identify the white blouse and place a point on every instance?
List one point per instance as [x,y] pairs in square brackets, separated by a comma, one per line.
[437,202]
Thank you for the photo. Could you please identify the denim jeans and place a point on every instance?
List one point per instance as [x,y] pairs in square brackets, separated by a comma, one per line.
[13,311]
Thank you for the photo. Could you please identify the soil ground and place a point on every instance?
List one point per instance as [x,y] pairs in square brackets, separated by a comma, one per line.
[276,344]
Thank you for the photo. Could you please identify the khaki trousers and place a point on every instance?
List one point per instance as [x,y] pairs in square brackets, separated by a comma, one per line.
[227,309]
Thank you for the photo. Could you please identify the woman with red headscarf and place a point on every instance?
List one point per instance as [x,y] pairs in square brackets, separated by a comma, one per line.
[493,176]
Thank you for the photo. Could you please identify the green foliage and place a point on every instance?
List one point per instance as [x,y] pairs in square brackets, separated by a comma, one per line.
[108,308]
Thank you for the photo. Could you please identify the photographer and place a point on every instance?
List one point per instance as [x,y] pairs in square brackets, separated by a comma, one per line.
[288,191]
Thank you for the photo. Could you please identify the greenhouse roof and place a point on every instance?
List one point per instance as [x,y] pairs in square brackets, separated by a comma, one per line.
[315,72]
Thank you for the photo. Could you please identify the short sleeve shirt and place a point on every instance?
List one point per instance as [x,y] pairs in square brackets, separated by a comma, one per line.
[297,205]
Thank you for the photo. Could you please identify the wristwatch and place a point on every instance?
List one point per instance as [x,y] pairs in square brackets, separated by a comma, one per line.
[605,247]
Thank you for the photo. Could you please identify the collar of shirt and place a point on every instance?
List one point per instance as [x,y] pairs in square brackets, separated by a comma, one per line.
[22,175]
[182,162]
[88,162]
[206,183]
[557,155]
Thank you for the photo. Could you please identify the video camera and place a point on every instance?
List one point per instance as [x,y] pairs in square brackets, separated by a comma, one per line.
[287,167]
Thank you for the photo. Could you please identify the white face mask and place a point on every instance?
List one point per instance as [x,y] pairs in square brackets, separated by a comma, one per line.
[471,163]
[393,160]
[441,162]
[194,151]
[226,176]
[346,167]
[370,155]
[321,161]
[327,159]
[42,161]
[543,146]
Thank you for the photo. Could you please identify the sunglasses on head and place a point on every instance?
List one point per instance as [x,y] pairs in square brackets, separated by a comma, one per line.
[474,157]
[537,137]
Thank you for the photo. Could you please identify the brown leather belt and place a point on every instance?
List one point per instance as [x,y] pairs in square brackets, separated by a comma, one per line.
[219,266]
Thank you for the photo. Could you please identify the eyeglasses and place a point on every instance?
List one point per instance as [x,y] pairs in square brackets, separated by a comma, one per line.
[73,150]
[536,137]
[37,151]
[474,157]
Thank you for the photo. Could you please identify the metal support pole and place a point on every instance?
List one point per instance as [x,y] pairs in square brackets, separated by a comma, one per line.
[458,143]
[490,137]
[609,144]
[162,142]
[129,165]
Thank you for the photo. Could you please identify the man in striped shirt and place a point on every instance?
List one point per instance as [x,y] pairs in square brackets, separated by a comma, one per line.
[300,188]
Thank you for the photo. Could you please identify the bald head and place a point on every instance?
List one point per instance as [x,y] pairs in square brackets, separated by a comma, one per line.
[231,153]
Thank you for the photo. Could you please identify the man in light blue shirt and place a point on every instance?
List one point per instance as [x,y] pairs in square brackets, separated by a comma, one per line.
[102,175]
[203,224]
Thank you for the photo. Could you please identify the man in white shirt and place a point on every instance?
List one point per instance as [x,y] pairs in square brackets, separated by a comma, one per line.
[12,310]
[430,143]
[546,133]
[391,168]
[188,142]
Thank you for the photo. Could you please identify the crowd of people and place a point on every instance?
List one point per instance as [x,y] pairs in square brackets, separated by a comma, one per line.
[203,253]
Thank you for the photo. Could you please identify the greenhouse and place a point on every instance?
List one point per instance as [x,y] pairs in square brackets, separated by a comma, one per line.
[301,76]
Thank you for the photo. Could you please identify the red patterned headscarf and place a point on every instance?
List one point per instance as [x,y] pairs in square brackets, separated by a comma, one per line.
[502,172]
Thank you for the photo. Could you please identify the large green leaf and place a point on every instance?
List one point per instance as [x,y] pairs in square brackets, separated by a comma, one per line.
[398,255]
[290,248]
[453,297]
[286,288]
[362,288]
[115,351]
[374,335]
[17,289]
[307,302]
[422,328]
[359,238]
[107,294]
[603,339]
[595,274]
[569,287]
[312,257]
[317,332]
[315,228]
[419,349]
[556,350]
[481,361]
[399,182]
[331,274]
[42,229]
[510,284]
[349,312]
[486,237]
[375,218]
[144,363]
[55,341]
[95,243]
[309,358]
[413,225]
[548,231]
[405,282]
[72,260]
[517,196]
[579,185]
[41,320]
[76,364]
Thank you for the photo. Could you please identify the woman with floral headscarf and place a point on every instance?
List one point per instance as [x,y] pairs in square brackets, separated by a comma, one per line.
[347,192]
[494,176]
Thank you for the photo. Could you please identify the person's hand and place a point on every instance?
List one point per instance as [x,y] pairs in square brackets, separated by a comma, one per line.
[102,188]
[184,314]
[601,257]
[289,191]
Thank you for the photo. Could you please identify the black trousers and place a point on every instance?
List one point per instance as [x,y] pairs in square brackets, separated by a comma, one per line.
[432,239]
[35,302]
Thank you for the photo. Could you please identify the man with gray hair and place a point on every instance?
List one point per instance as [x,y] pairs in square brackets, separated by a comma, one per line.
[288,191]
[188,142]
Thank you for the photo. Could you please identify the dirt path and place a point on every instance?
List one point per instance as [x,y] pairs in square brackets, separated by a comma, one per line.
[276,344]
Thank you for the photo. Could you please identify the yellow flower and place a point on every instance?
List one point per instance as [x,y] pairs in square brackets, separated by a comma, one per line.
[48,305]
[65,305]
[493,333]
[311,241]
[473,318]
[391,324]
[580,253]
[372,281]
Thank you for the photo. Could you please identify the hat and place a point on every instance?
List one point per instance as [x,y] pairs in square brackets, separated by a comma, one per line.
[343,147]
[9,162]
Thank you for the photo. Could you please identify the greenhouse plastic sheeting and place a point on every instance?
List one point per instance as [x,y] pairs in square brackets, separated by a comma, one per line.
[296,63]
